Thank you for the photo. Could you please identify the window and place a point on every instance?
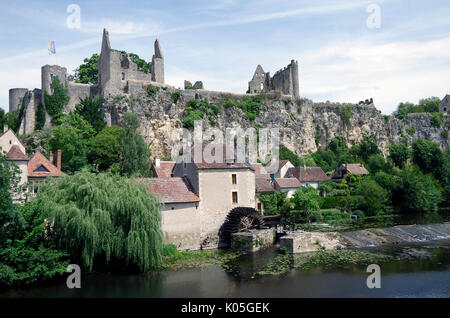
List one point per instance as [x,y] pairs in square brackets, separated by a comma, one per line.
[233,178]
[259,206]
[123,76]
[235,197]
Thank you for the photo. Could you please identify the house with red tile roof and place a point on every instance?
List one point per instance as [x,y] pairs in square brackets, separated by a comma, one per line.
[307,176]
[162,169]
[289,185]
[349,168]
[199,191]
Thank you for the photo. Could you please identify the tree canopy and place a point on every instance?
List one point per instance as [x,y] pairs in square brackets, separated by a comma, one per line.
[105,217]
[134,152]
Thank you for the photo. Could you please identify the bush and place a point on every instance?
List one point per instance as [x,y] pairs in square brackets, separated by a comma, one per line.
[152,90]
[428,156]
[197,110]
[416,192]
[436,120]
[346,114]
[175,96]
[411,130]
[40,117]
[374,196]
[399,154]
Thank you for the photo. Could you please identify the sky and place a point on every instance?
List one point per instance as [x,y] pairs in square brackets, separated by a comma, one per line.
[392,51]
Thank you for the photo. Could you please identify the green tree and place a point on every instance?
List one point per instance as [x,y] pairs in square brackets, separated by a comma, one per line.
[87,73]
[373,196]
[134,152]
[428,156]
[326,160]
[2,119]
[54,103]
[104,218]
[446,179]
[377,163]
[13,120]
[399,153]
[104,148]
[274,203]
[68,139]
[10,220]
[368,147]
[416,192]
[91,110]
[84,128]
[306,200]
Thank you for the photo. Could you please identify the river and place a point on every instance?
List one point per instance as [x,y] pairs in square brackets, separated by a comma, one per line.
[425,272]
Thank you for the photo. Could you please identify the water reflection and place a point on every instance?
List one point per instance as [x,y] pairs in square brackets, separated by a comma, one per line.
[425,272]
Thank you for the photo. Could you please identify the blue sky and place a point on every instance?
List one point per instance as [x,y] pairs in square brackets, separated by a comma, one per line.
[220,42]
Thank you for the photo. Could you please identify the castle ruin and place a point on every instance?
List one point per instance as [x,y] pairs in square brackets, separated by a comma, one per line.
[117,75]
[284,81]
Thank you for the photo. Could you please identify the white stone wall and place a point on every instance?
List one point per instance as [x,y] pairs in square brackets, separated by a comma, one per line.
[181,225]
[8,139]
[215,189]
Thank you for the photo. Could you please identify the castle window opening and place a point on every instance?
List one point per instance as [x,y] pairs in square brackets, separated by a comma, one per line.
[123,76]
[262,86]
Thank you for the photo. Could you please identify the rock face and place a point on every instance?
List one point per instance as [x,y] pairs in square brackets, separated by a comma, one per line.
[301,122]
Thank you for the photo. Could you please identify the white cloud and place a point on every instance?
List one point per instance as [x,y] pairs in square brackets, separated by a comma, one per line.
[390,73]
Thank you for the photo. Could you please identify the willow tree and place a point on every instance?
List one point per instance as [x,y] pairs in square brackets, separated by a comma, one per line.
[104,216]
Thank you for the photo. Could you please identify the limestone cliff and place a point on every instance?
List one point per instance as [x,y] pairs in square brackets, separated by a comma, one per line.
[304,125]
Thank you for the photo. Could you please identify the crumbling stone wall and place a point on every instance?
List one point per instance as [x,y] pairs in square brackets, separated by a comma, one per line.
[284,81]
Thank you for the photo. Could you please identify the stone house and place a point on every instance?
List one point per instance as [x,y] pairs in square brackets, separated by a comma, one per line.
[349,168]
[283,167]
[308,176]
[181,218]
[444,106]
[9,139]
[15,152]
[16,156]
[205,192]
[289,185]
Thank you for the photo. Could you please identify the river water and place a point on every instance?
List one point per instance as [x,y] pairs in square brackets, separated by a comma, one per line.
[425,272]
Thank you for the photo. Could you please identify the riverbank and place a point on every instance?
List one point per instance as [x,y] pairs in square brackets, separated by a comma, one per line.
[413,270]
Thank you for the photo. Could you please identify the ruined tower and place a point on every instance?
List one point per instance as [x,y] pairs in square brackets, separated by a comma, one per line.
[118,74]
[157,68]
[284,81]
[260,81]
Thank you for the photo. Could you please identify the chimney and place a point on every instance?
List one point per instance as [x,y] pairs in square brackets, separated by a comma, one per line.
[5,127]
[50,158]
[58,159]
[157,162]
[361,164]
